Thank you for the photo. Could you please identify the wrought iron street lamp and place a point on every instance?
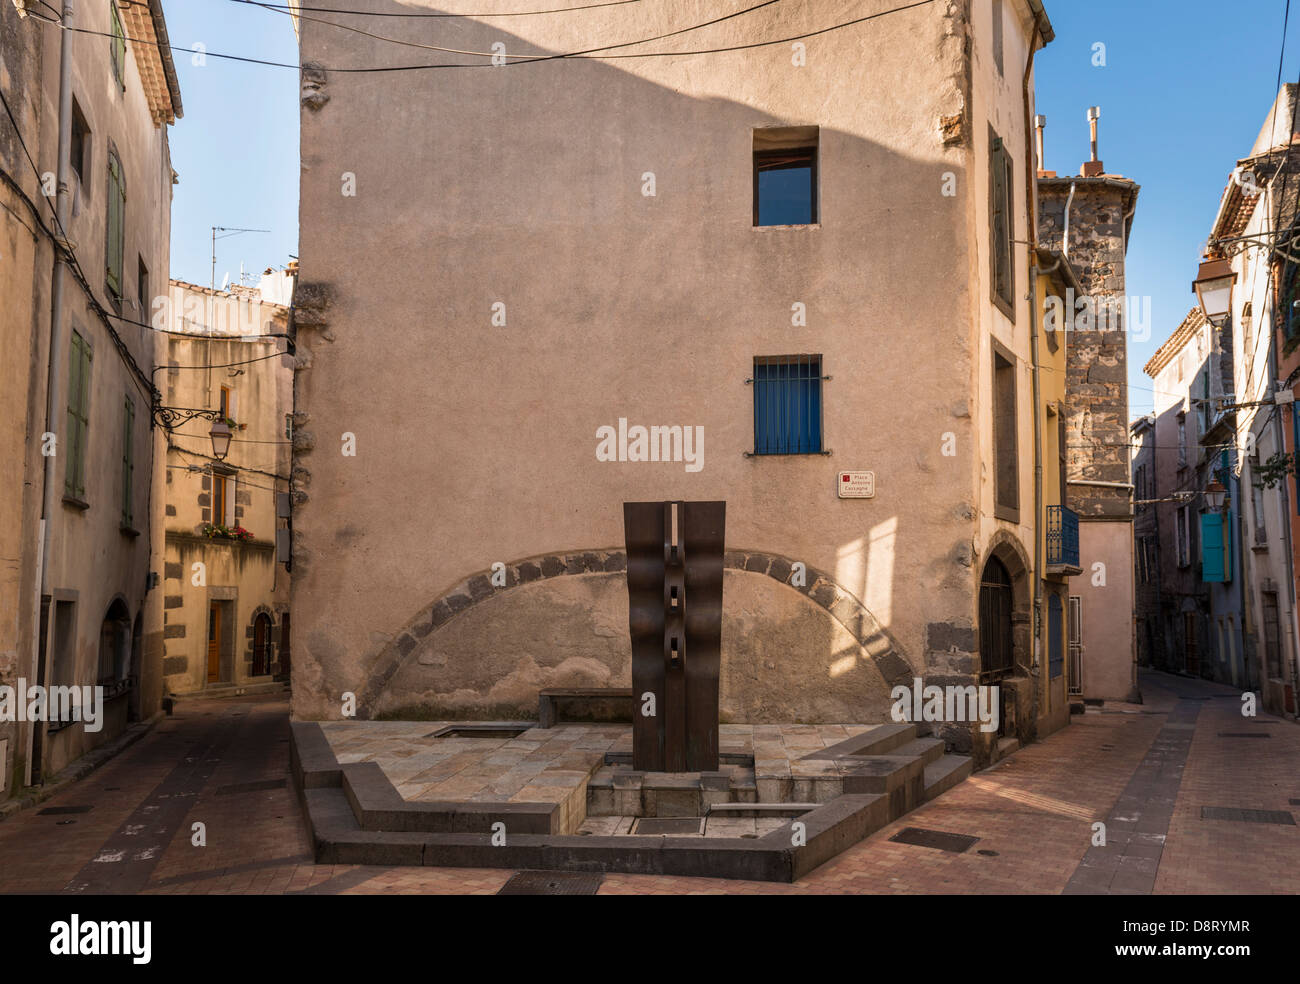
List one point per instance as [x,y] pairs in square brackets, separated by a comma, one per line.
[1215,494]
[1213,288]
[220,434]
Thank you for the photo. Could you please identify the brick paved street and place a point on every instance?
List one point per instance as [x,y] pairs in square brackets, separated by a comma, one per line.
[225,764]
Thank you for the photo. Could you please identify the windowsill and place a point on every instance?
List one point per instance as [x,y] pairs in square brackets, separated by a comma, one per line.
[128,530]
[1259,548]
[75,503]
[801,225]
[788,454]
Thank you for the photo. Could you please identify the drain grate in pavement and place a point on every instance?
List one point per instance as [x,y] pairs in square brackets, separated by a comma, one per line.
[552,883]
[1247,816]
[938,839]
[506,731]
[668,826]
[59,811]
[1242,734]
[250,787]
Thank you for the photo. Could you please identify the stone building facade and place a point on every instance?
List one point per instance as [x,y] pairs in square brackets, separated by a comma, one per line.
[1097,210]
[226,622]
[595,261]
[87,220]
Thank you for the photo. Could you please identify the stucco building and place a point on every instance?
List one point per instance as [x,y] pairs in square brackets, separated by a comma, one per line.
[792,261]
[85,180]
[1252,245]
[226,622]
[1190,548]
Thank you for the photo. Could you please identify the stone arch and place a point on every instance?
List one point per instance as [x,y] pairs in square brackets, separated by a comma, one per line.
[250,637]
[114,645]
[1007,549]
[816,586]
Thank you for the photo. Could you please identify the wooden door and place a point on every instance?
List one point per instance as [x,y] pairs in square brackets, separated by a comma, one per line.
[214,642]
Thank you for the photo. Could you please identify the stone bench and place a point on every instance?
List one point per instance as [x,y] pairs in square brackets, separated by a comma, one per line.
[611,704]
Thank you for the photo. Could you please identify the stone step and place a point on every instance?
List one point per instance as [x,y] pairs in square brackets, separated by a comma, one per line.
[883,739]
[746,810]
[1006,746]
[928,750]
[945,773]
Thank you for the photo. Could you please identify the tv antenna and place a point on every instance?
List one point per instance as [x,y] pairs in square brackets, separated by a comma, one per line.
[229,231]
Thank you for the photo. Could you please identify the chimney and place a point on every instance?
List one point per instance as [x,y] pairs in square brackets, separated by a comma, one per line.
[1040,124]
[1093,168]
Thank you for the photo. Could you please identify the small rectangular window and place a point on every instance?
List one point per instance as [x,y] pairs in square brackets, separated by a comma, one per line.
[1006,453]
[142,285]
[128,462]
[221,498]
[785,175]
[997,34]
[118,43]
[115,227]
[79,152]
[788,404]
[1002,226]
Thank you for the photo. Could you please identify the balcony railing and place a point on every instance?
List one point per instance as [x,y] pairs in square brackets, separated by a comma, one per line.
[1062,537]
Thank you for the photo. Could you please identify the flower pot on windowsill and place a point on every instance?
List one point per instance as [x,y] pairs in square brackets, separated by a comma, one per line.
[216,531]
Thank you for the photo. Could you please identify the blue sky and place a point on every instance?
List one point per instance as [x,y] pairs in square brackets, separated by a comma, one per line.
[1185,89]
[236,149]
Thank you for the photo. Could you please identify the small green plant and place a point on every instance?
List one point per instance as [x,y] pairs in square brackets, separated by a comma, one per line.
[1274,471]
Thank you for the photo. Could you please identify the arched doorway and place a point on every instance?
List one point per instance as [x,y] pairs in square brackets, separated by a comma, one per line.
[114,649]
[262,654]
[997,650]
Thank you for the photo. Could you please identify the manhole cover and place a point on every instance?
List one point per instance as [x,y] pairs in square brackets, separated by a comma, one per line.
[1247,816]
[58,811]
[670,826]
[552,883]
[1242,734]
[250,787]
[938,839]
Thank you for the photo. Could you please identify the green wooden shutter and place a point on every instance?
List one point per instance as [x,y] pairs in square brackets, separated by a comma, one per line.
[72,432]
[115,235]
[1213,552]
[118,42]
[74,469]
[128,460]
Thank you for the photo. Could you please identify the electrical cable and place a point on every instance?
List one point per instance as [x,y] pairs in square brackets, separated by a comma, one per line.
[543,58]
[431,15]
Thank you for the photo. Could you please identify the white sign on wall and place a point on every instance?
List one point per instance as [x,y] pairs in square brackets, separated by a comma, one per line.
[857,485]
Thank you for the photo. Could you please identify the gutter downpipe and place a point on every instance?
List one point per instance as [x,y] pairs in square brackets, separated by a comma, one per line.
[1065,238]
[1031,220]
[54,397]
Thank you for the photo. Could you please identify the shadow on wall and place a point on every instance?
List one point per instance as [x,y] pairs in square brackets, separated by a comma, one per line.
[609,296]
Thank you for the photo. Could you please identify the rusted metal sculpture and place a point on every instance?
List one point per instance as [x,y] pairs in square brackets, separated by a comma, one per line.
[674,586]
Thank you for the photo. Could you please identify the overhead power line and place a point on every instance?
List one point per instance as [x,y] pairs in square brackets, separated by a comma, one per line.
[488,54]
[543,58]
[436,15]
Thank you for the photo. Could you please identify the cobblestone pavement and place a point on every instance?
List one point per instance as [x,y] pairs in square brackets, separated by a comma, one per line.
[1146,771]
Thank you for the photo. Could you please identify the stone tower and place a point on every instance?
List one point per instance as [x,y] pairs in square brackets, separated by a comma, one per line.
[1089,218]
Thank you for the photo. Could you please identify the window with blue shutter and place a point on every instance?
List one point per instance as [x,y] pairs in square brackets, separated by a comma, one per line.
[788,404]
[1216,548]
